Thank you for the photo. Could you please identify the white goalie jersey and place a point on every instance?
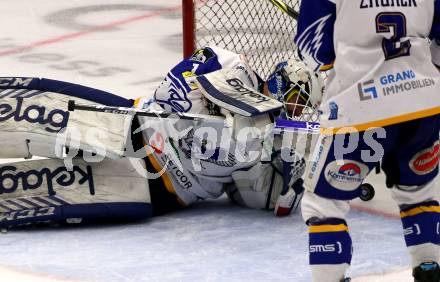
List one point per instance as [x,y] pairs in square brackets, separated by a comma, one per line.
[203,159]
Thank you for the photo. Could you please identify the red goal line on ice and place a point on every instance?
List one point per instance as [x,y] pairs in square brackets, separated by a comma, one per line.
[74,35]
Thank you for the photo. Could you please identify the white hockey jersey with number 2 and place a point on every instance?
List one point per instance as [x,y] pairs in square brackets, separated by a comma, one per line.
[379,53]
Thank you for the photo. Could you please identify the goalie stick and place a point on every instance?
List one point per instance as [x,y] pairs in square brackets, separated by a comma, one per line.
[280,124]
[73,106]
[367,190]
[285,8]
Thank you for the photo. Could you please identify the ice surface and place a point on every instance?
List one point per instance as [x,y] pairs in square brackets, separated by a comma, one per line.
[212,241]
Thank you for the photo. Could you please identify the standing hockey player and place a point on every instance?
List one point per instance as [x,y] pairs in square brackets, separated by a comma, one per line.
[383,76]
[34,114]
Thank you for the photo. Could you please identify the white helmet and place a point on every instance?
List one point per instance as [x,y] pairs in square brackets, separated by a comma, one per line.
[298,87]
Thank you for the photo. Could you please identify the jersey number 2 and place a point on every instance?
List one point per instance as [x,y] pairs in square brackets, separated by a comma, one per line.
[393,22]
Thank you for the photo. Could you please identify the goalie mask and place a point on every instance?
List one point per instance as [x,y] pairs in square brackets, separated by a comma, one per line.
[298,87]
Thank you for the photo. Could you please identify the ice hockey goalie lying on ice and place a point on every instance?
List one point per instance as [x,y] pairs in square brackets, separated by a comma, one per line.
[113,166]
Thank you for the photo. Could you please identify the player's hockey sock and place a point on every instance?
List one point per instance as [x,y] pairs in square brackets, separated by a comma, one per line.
[421,225]
[330,249]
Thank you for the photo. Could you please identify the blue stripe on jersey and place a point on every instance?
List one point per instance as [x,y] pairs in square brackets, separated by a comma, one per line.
[176,76]
[195,65]
[178,84]
[435,30]
[314,38]
[174,96]
[203,61]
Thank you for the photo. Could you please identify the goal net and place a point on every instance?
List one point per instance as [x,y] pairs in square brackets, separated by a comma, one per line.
[256,28]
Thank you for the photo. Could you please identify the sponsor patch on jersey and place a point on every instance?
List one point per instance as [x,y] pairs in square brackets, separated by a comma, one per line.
[426,160]
[202,55]
[317,156]
[393,84]
[346,177]
[157,142]
[334,109]
[187,74]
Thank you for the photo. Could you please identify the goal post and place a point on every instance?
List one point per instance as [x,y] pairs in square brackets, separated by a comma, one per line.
[188,18]
[256,28]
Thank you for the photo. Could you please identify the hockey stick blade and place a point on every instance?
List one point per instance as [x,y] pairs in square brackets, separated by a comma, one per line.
[73,106]
[285,8]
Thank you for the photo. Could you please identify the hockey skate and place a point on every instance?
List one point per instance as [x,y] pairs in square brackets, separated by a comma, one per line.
[427,272]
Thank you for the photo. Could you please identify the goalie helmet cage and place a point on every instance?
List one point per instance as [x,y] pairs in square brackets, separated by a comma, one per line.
[256,28]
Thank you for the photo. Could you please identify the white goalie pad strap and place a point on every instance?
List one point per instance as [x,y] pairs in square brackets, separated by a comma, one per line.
[226,89]
[435,53]
[42,126]
[101,133]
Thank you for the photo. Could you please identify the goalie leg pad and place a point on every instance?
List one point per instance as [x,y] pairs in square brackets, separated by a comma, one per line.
[45,190]
[42,126]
